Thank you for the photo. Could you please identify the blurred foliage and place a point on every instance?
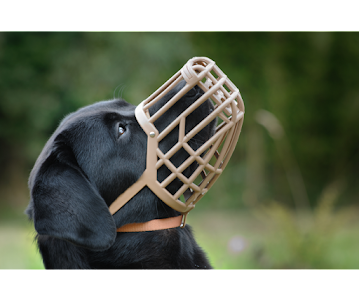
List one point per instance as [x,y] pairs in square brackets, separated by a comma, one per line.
[44,76]
[299,143]
[303,239]
[308,81]
[274,236]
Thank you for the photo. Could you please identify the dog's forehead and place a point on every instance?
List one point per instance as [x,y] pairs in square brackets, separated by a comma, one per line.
[98,109]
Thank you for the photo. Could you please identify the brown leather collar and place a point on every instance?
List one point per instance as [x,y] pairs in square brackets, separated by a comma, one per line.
[153,225]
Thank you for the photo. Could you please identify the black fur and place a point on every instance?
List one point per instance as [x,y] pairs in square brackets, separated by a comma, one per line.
[84,167]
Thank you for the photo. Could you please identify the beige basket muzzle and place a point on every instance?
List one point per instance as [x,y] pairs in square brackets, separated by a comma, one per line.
[229,111]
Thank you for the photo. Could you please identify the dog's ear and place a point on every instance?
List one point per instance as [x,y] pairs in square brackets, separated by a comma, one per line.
[64,204]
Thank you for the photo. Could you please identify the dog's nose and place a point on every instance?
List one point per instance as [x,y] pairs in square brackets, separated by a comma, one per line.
[195,91]
[199,90]
[192,92]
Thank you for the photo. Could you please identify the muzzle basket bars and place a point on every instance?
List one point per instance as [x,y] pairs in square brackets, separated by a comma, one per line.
[229,111]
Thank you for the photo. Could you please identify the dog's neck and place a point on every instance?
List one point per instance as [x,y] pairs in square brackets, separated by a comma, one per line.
[143,207]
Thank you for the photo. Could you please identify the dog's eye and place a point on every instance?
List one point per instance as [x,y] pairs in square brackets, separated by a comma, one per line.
[121,130]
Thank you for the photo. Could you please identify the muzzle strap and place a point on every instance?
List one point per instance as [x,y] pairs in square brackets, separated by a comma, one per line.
[153,225]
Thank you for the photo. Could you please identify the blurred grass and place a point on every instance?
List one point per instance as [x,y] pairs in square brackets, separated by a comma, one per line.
[274,237]
[17,247]
[271,237]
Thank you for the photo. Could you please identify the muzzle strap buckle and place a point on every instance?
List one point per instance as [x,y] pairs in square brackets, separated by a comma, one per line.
[184,218]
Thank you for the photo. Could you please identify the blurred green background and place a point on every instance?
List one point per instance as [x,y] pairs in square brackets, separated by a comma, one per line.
[288,197]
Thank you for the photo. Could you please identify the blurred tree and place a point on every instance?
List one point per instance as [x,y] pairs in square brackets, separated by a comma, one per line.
[309,81]
[44,76]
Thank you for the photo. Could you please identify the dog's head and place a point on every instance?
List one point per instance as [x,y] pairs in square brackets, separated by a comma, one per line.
[94,155]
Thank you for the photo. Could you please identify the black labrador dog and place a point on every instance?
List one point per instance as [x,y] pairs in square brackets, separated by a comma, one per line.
[94,155]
